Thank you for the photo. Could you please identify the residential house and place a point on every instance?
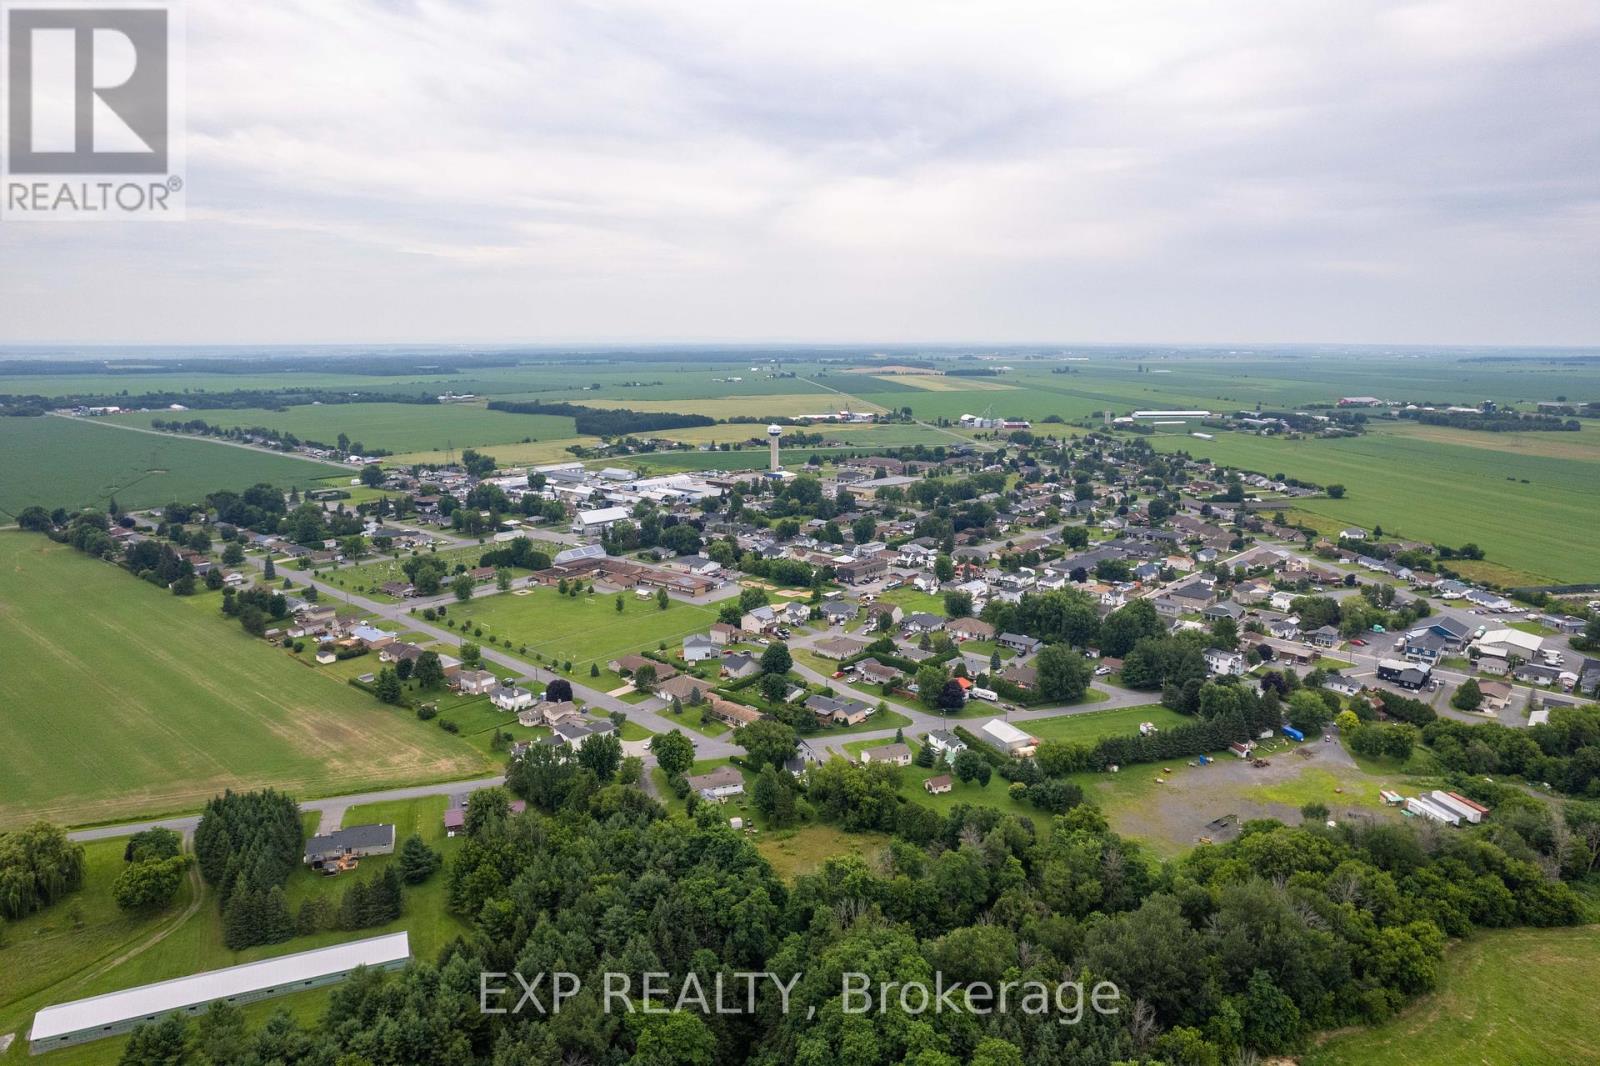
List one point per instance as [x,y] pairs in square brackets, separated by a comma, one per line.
[1224,663]
[576,732]
[923,622]
[893,754]
[874,671]
[334,852]
[632,664]
[511,698]
[938,785]
[1325,637]
[719,784]
[838,612]
[722,633]
[840,710]
[730,713]
[1020,643]
[839,647]
[698,647]
[1217,611]
[740,664]
[475,682]
[946,744]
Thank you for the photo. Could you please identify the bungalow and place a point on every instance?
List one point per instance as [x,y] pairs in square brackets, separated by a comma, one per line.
[876,672]
[1226,609]
[576,732]
[475,682]
[400,590]
[839,647]
[837,612]
[1021,675]
[1536,674]
[840,710]
[1019,643]
[730,713]
[893,754]
[684,686]
[740,664]
[1193,596]
[946,744]
[970,629]
[923,622]
[511,698]
[938,785]
[719,784]
[371,636]
[332,852]
[632,664]
[1342,685]
[1224,663]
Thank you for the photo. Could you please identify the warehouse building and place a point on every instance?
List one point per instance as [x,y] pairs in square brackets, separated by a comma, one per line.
[116,1013]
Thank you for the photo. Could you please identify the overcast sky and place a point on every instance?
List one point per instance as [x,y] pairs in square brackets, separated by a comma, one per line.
[516,171]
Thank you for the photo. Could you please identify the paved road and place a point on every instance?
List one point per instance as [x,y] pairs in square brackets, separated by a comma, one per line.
[339,804]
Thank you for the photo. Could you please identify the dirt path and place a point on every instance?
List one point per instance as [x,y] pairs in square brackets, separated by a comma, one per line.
[199,891]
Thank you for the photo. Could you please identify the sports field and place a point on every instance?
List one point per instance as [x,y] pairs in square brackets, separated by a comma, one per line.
[1520,996]
[73,462]
[393,427]
[586,629]
[122,700]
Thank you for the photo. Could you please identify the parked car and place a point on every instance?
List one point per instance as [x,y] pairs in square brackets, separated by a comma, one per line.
[1358,642]
[1101,671]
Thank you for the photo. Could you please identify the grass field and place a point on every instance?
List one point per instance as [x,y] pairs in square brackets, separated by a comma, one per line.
[587,629]
[393,427]
[1522,509]
[72,462]
[1521,996]
[124,700]
[1090,727]
[793,852]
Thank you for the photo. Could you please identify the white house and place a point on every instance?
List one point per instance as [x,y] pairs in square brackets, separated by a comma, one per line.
[698,647]
[1222,662]
[511,698]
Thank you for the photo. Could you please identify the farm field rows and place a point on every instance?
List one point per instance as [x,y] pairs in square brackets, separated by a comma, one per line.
[128,701]
[71,462]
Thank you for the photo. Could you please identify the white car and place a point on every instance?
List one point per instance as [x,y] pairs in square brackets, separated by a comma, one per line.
[1102,671]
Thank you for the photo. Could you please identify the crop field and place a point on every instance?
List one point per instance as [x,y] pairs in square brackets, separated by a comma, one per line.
[393,427]
[1525,511]
[586,629]
[1517,995]
[71,462]
[123,700]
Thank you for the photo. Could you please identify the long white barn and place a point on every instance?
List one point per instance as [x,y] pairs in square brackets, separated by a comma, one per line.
[115,1013]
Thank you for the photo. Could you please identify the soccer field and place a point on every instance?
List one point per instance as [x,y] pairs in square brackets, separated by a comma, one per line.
[122,700]
[73,462]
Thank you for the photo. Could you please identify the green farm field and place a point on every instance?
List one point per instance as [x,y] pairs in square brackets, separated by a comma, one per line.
[1506,996]
[586,629]
[393,427]
[73,462]
[123,700]
[1524,510]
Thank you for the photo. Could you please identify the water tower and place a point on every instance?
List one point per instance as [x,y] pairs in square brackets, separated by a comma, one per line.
[773,433]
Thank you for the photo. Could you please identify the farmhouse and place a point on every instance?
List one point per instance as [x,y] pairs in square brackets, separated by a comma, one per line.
[116,1013]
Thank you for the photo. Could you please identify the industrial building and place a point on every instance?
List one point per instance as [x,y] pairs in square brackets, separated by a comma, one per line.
[116,1013]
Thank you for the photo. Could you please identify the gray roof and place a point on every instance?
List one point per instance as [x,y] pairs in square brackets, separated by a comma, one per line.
[166,996]
[357,836]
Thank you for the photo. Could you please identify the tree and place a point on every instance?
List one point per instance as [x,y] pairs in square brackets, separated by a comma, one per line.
[502,579]
[233,554]
[1468,696]
[163,1043]
[372,475]
[428,671]
[943,568]
[930,683]
[269,571]
[1064,675]
[957,604]
[1126,626]
[968,765]
[1308,712]
[661,599]
[776,659]
[558,690]
[462,586]
[644,678]
[768,742]
[1336,492]
[387,687]
[674,752]
[602,754]
[417,861]
[619,603]
[149,885]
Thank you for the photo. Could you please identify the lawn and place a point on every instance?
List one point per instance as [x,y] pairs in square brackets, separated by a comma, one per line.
[1092,726]
[584,629]
[364,579]
[391,427]
[793,852]
[82,462]
[135,702]
[1506,996]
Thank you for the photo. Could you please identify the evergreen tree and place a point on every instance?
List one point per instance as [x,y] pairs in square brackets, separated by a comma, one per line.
[418,862]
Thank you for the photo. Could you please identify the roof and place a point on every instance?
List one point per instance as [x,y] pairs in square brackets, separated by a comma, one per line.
[145,1000]
[721,777]
[1005,732]
[357,836]
[889,751]
[603,514]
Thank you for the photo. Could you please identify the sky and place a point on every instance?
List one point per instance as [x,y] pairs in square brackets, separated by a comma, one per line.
[516,171]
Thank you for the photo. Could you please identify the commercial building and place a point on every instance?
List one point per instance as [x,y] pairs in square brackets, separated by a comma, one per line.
[115,1013]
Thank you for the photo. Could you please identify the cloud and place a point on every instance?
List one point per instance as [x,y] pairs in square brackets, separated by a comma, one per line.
[501,170]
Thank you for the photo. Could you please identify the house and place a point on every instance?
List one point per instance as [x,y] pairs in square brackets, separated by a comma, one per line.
[632,664]
[1008,738]
[373,637]
[1342,685]
[1284,628]
[475,682]
[400,590]
[879,610]
[576,732]
[730,713]
[1403,673]
[1424,645]
[740,664]
[946,744]
[894,754]
[970,629]
[1218,611]
[1496,696]
[1536,674]
[1225,663]
[876,672]
[698,647]
[923,622]
[839,647]
[1193,596]
[1019,643]
[333,852]
[1281,601]
[719,784]
[1020,674]
[761,619]
[839,710]
[1325,637]
[722,633]
[511,698]
[938,785]
[684,686]
[837,612]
